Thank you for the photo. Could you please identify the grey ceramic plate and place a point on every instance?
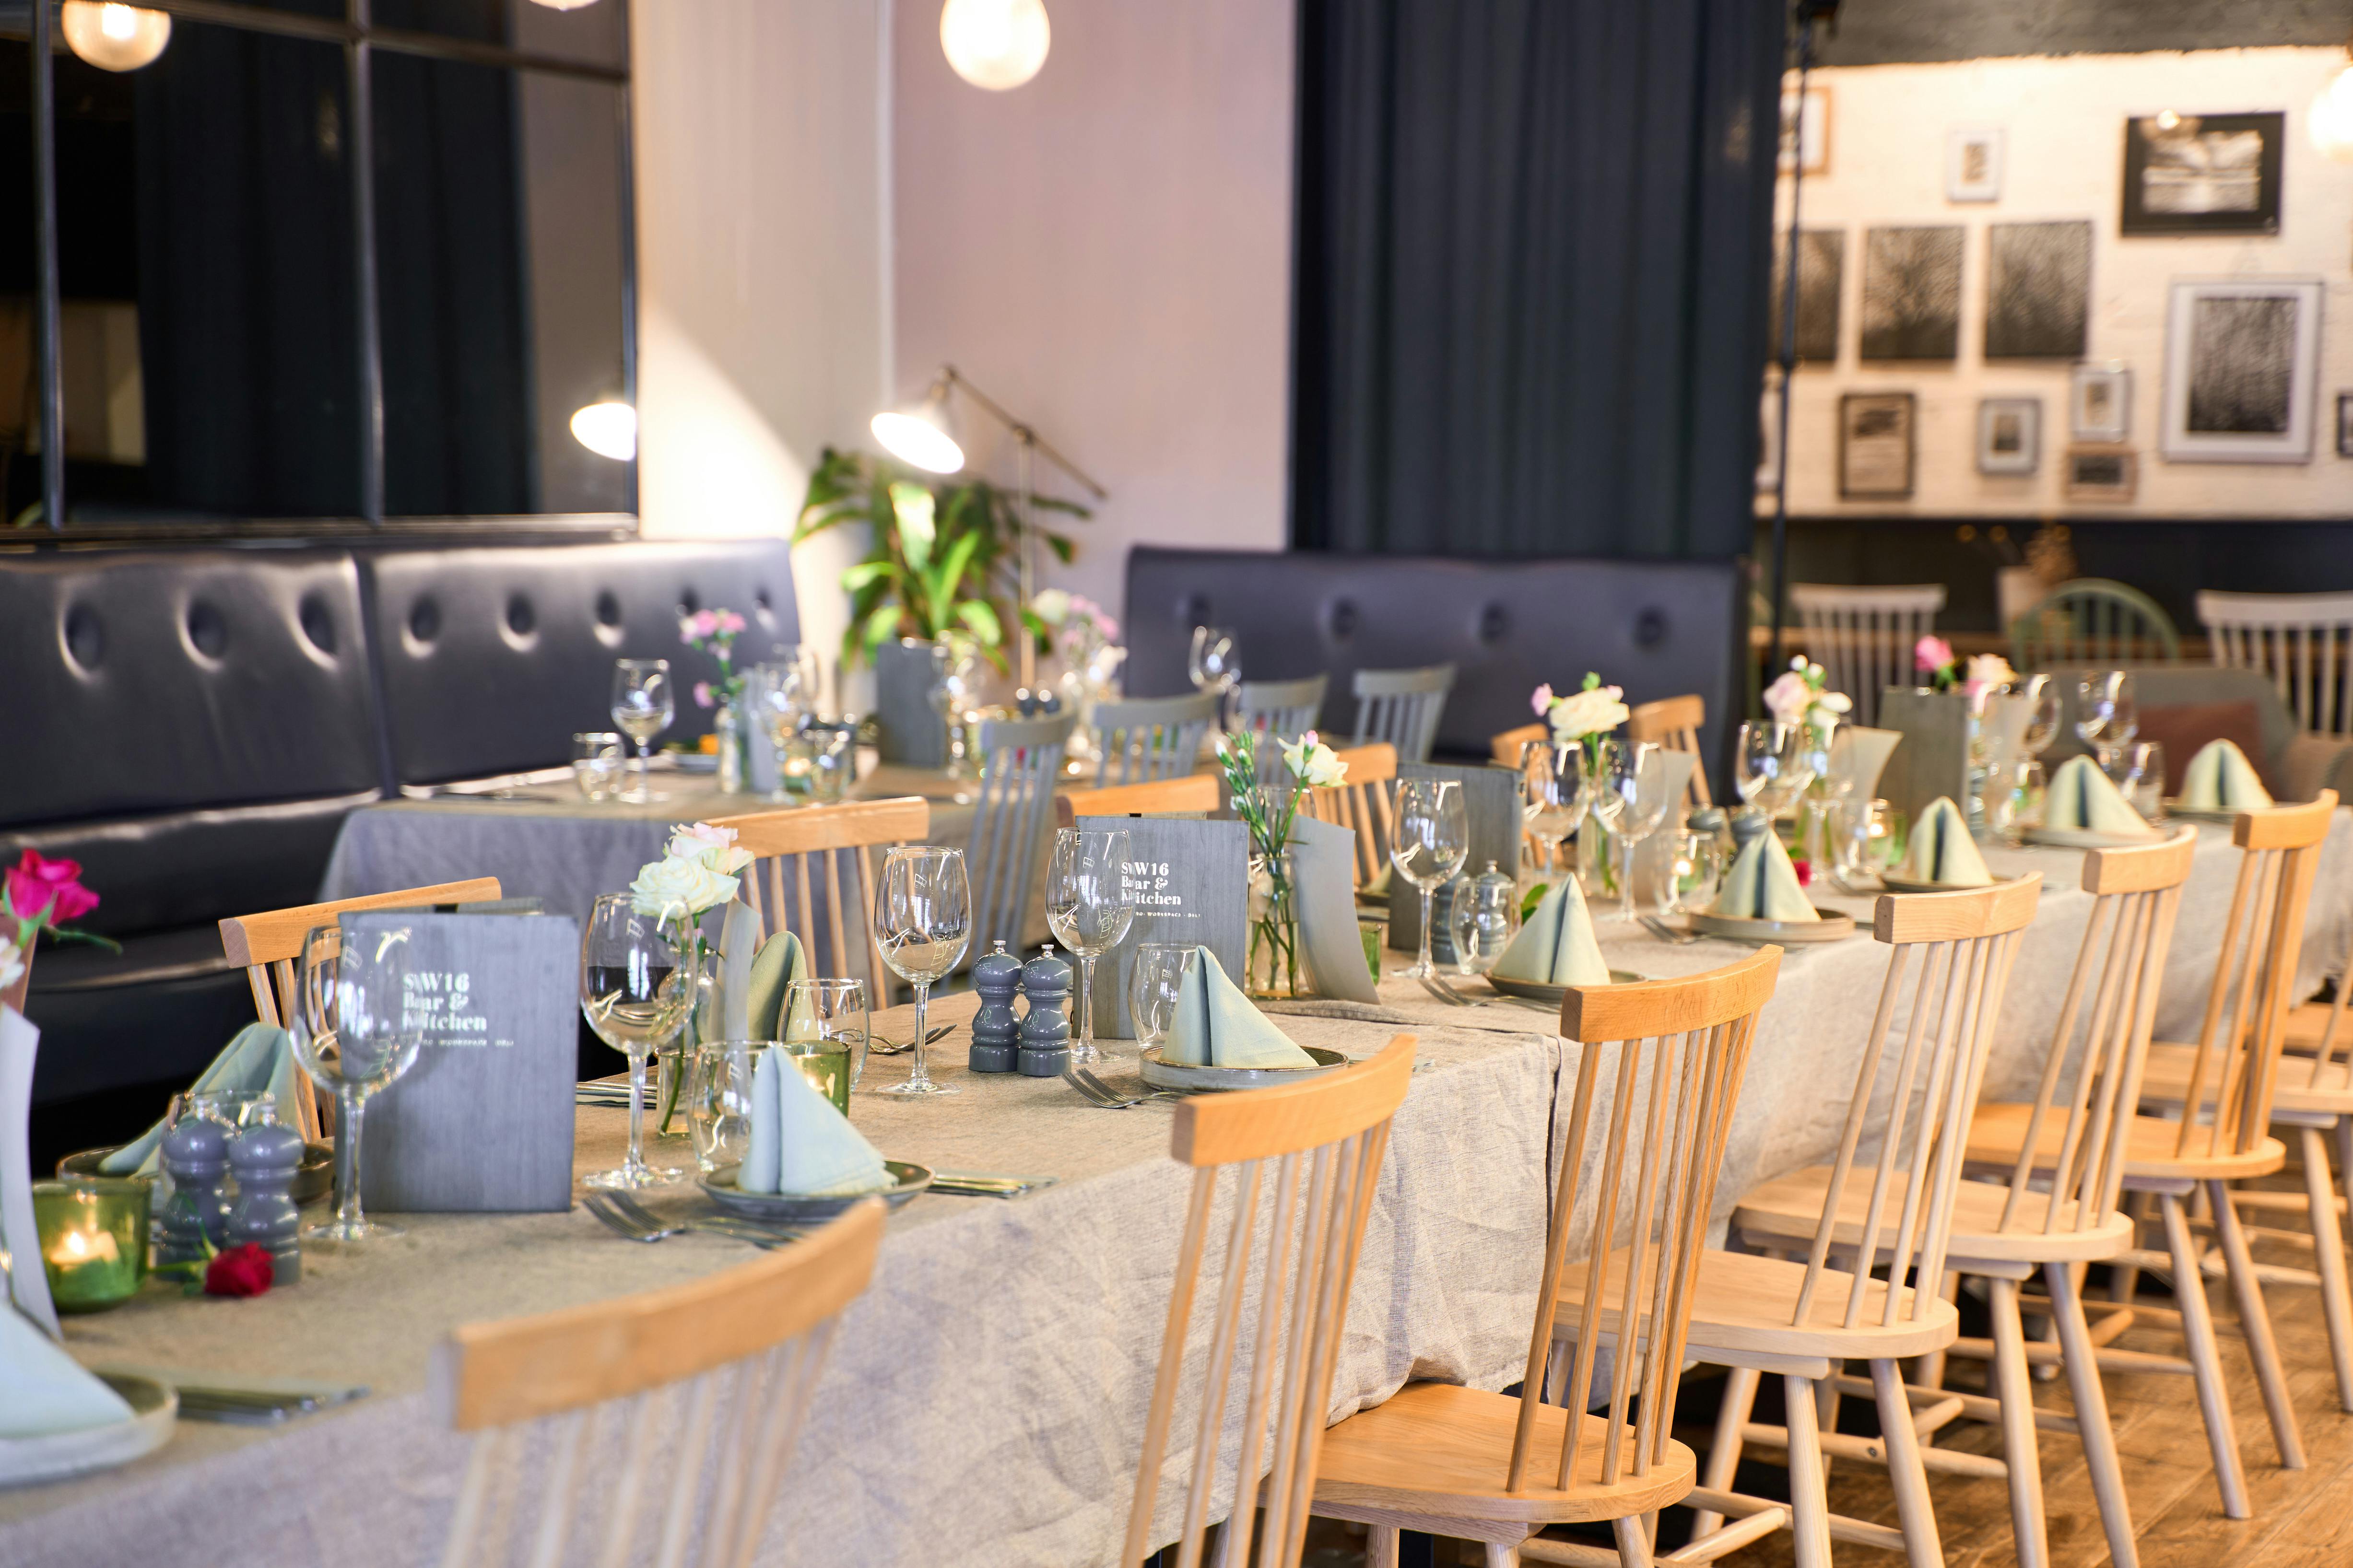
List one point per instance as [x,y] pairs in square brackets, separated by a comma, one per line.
[2186,814]
[1833,926]
[1535,991]
[153,1411]
[314,1181]
[1906,885]
[2083,838]
[795,1208]
[1181,1075]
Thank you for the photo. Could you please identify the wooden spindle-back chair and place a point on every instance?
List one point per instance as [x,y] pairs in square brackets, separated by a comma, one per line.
[1363,801]
[797,852]
[267,945]
[1319,1145]
[656,1426]
[1658,1073]
[1674,722]
[1193,793]
[1021,759]
[1401,707]
[1141,739]
[1504,749]
[2092,622]
[1280,710]
[2302,641]
[1862,637]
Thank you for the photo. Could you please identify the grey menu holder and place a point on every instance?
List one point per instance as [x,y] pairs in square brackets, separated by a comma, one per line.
[1491,799]
[483,1122]
[911,730]
[1190,878]
[1933,758]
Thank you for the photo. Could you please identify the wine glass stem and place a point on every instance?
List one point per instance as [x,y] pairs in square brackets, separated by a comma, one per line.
[347,1158]
[637,1065]
[1421,964]
[1086,1011]
[922,1074]
[1625,876]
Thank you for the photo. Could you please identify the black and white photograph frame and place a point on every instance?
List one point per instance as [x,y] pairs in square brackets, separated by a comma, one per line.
[1875,445]
[2100,475]
[2214,174]
[2009,435]
[2241,370]
[1973,165]
[2099,402]
[2038,290]
[2345,423]
[1911,292]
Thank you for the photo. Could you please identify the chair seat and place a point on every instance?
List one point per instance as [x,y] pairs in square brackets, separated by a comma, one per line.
[1997,1132]
[1788,1210]
[2307,1023]
[1439,1451]
[2167,1079]
[1744,1303]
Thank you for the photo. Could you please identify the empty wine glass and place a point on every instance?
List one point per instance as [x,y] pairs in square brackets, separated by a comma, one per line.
[1215,664]
[1558,795]
[644,702]
[628,994]
[955,688]
[356,1034]
[1428,845]
[1156,984]
[922,920]
[1090,907]
[1770,768]
[2042,727]
[778,695]
[2107,714]
[2144,778]
[1630,796]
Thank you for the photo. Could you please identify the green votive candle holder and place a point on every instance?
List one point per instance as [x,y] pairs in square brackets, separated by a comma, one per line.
[93,1232]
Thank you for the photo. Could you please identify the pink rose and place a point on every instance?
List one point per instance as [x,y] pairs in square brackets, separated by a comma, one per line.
[730,621]
[1931,653]
[1541,698]
[49,890]
[702,694]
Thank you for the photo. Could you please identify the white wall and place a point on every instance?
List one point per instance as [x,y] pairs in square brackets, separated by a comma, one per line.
[2064,120]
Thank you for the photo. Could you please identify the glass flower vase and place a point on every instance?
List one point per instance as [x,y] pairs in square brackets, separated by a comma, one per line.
[1274,968]
[1597,866]
[695,968]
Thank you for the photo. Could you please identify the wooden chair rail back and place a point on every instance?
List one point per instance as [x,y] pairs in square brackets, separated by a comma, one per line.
[1192,793]
[1863,636]
[671,1413]
[1663,1115]
[2278,633]
[1141,740]
[838,843]
[1284,710]
[1402,706]
[1321,1142]
[1504,749]
[1022,758]
[1674,722]
[1363,804]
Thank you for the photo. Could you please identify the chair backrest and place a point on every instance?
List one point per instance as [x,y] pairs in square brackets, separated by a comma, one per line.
[668,1416]
[1402,706]
[1283,709]
[2093,621]
[1504,749]
[1673,723]
[1141,739]
[1364,802]
[2135,894]
[1690,1040]
[269,943]
[1321,1142]
[786,847]
[1020,760]
[1862,637]
[2302,641]
[1964,943]
[2228,1100]
[1193,793]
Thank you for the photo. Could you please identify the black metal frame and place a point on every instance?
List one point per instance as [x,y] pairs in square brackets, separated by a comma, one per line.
[359,38]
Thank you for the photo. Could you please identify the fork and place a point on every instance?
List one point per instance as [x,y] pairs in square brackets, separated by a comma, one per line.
[717,1225]
[879,1047]
[1099,1093]
[650,1229]
[1665,932]
[1437,986]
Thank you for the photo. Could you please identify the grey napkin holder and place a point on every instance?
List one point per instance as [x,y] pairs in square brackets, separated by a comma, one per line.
[1190,882]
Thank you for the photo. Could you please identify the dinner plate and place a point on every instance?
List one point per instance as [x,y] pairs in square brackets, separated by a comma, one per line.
[2188,814]
[2083,838]
[1537,991]
[1162,1074]
[314,1180]
[1906,885]
[799,1207]
[155,1409]
[1833,926]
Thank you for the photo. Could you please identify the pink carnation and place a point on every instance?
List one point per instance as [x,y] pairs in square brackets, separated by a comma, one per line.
[702,694]
[1541,698]
[730,621]
[1931,653]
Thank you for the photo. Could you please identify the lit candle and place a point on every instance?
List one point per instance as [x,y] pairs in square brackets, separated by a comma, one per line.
[79,1248]
[93,1240]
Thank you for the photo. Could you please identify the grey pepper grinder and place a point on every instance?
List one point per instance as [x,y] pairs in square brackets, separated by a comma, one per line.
[995,1032]
[264,1157]
[1046,1027]
[194,1154]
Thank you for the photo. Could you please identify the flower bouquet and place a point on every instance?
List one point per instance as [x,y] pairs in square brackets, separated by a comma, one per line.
[699,872]
[38,893]
[1268,809]
[1585,718]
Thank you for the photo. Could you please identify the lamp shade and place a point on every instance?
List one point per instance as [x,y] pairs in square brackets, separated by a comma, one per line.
[995,44]
[919,434]
[2332,118]
[608,429]
[114,37]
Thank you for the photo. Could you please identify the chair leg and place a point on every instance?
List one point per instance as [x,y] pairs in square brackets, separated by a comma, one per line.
[2345,1152]
[2124,1281]
[2255,1323]
[2083,1368]
[1913,1507]
[2328,1251]
[1929,1373]
[2205,1358]
[1809,1504]
[1381,1546]
[1724,1453]
[2019,1450]
[1633,1542]
[1499,1555]
[1826,1411]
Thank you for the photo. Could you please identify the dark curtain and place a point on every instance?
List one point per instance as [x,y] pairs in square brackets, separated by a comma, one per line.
[1532,240]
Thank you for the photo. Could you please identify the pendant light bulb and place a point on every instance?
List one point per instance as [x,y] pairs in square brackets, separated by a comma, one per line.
[995,44]
[113,37]
[608,429]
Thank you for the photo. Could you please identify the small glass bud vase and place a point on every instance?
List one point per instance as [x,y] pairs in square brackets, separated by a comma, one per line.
[1273,968]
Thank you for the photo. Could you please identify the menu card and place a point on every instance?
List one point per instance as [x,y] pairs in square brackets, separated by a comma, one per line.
[1491,800]
[483,1122]
[1190,882]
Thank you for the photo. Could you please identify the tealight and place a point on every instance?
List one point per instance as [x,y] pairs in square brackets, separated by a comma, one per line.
[93,1240]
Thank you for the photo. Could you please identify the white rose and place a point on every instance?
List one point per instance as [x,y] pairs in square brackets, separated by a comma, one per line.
[1583,713]
[679,887]
[713,847]
[1990,669]
[1052,605]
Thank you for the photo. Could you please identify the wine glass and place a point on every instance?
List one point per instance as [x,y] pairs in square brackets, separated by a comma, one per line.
[2107,714]
[1630,796]
[922,919]
[778,695]
[644,702]
[1090,907]
[1557,794]
[1156,984]
[1428,845]
[355,1035]
[1215,664]
[628,994]
[2042,727]
[1770,768]
[956,685]
[2144,780]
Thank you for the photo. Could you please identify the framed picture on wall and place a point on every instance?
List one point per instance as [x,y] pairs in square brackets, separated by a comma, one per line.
[2241,371]
[1875,446]
[2038,290]
[2010,435]
[1805,135]
[2345,423]
[2102,475]
[1973,165]
[2212,174]
[1912,293]
[2099,402]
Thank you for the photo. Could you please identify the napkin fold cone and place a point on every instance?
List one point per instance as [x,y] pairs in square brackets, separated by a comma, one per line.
[781,962]
[48,1391]
[1762,884]
[800,1144]
[258,1056]
[1556,947]
[2219,778]
[1215,1025]
[1941,850]
[2082,799]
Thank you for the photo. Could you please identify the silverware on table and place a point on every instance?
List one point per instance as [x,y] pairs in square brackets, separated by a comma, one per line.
[1437,986]
[879,1046]
[1098,1092]
[227,1397]
[985,1184]
[639,1224]
[1665,932]
[748,1228]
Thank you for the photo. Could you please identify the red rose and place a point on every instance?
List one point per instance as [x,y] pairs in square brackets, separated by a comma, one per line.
[246,1270]
[41,887]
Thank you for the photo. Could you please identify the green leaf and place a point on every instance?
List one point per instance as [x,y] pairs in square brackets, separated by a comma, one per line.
[982,618]
[865,574]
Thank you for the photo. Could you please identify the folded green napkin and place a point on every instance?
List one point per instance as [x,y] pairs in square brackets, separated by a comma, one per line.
[1215,1025]
[1556,947]
[1942,851]
[800,1144]
[260,1056]
[1762,884]
[2219,778]
[781,962]
[48,1391]
[730,991]
[2082,799]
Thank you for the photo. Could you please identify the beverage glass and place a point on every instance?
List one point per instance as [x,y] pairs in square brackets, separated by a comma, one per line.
[1156,984]
[644,702]
[356,1033]
[1430,840]
[598,757]
[2044,727]
[922,922]
[1090,908]
[1630,796]
[1558,795]
[1769,769]
[1215,664]
[832,759]
[2144,780]
[628,970]
[719,1101]
[2107,715]
[1688,878]
[827,1024]
[776,700]
[955,689]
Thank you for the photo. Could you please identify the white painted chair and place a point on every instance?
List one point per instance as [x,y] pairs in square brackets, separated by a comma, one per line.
[1401,707]
[1020,760]
[1862,637]
[2300,640]
[1141,740]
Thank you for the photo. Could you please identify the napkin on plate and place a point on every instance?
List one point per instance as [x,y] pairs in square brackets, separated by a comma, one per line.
[1556,947]
[1762,884]
[1217,1026]
[48,1390]
[781,962]
[2219,778]
[800,1144]
[2082,799]
[1942,851]
[260,1056]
